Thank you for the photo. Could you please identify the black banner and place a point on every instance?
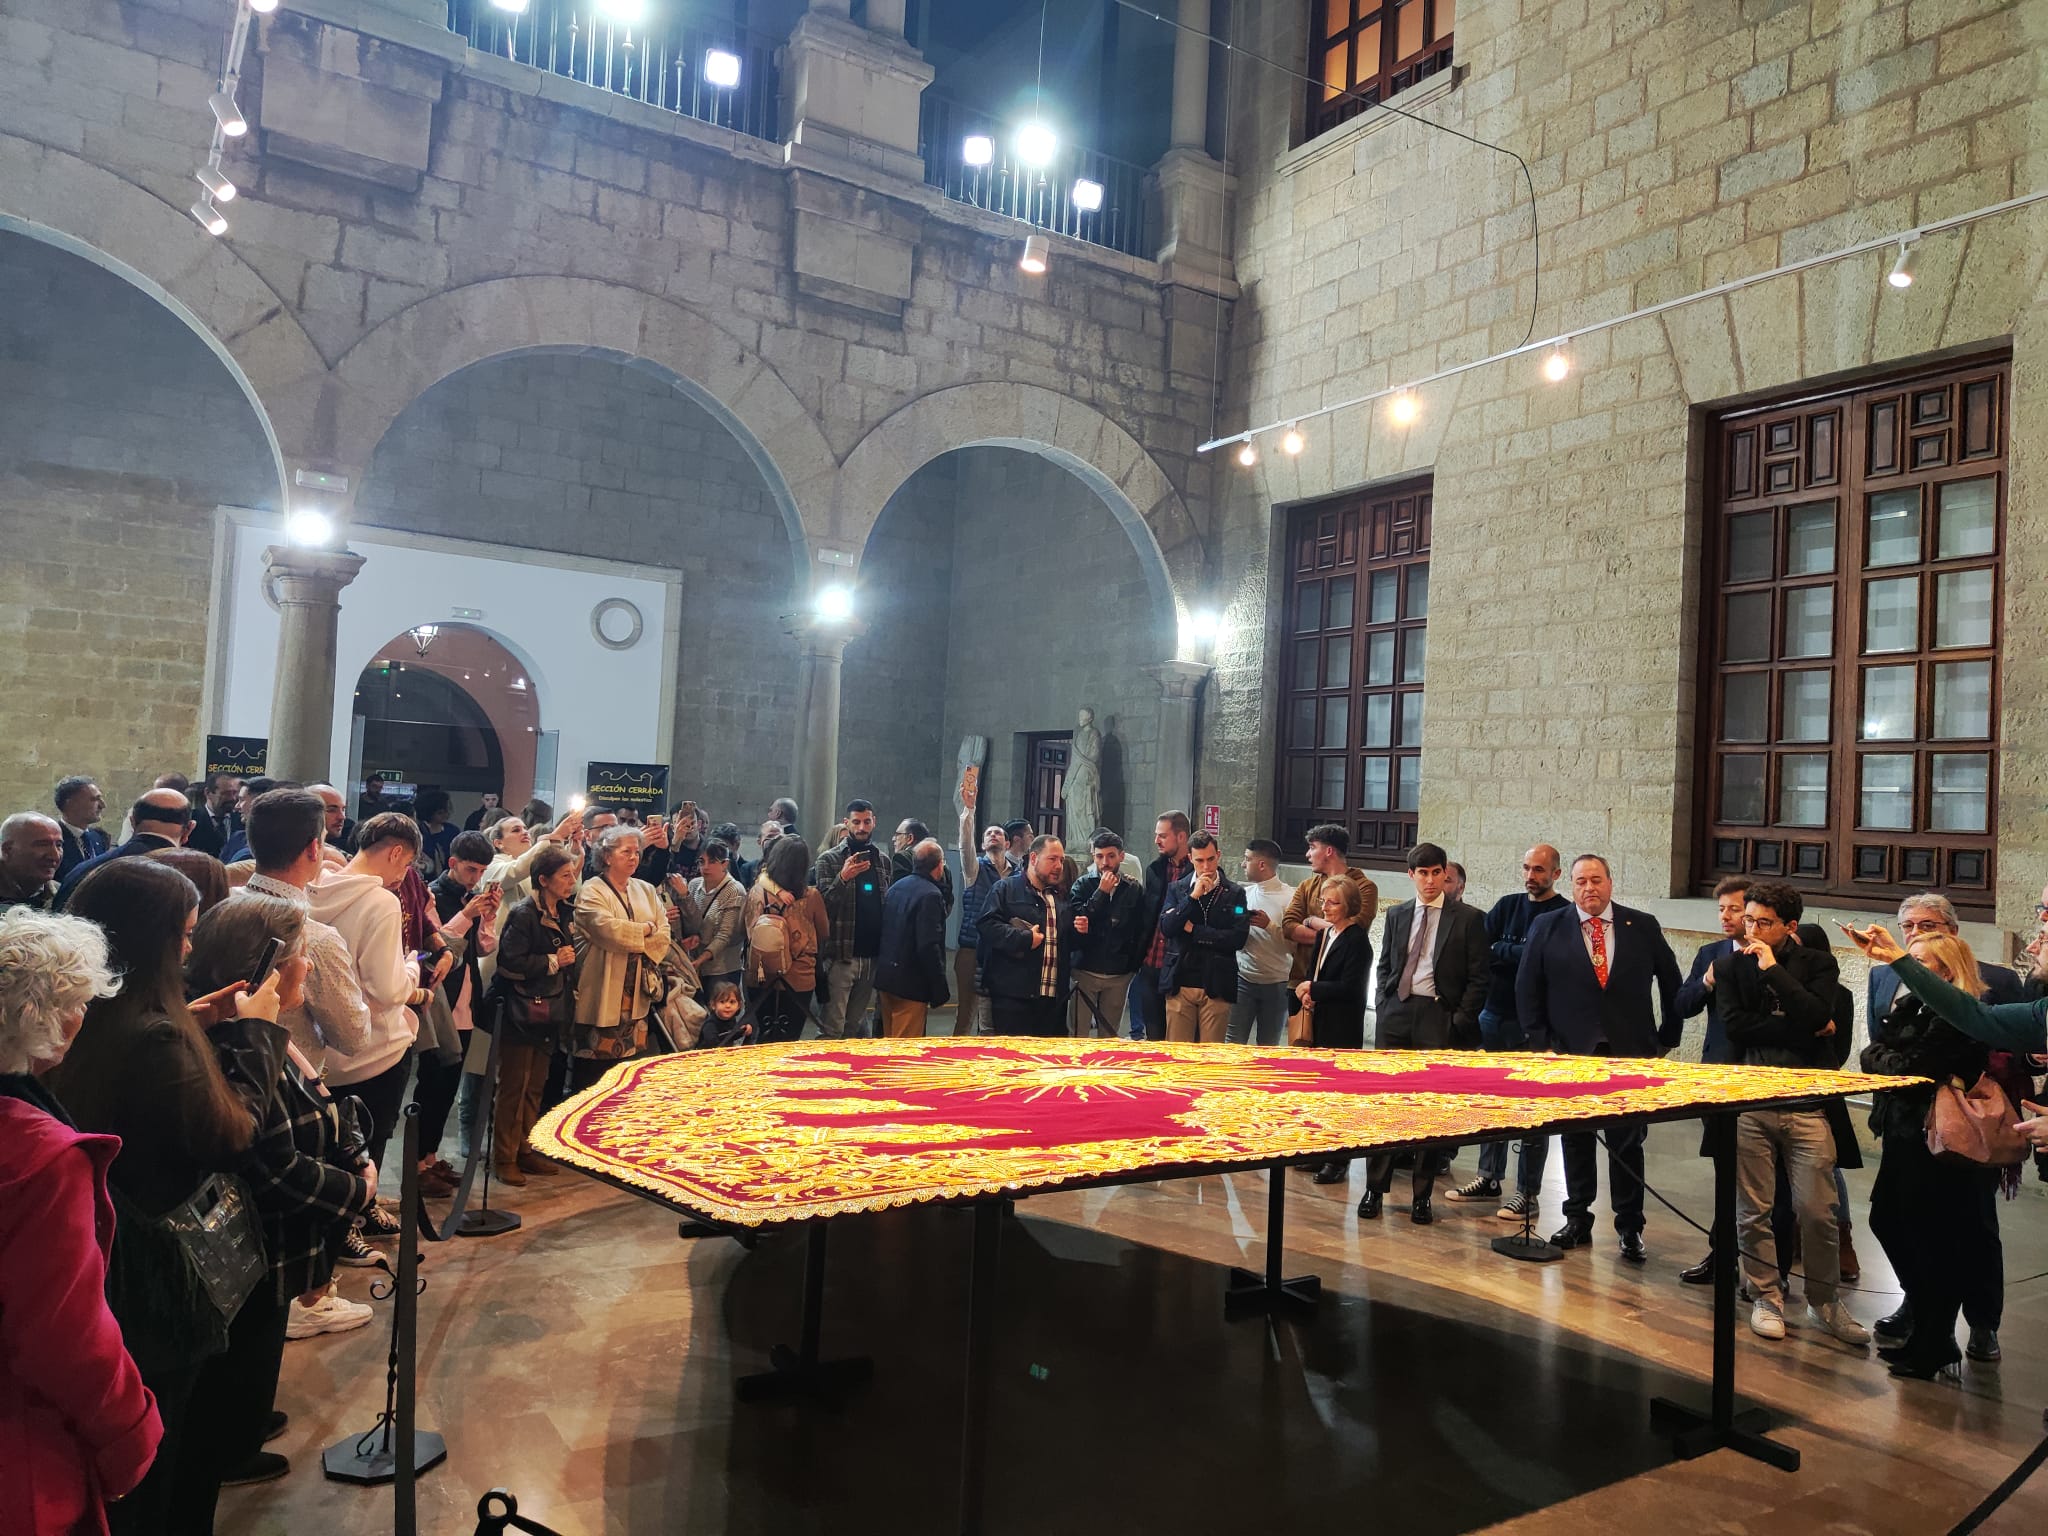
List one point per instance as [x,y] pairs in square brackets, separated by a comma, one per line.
[616,786]
[239,757]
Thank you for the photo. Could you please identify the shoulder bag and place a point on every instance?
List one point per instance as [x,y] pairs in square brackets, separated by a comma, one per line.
[1974,1125]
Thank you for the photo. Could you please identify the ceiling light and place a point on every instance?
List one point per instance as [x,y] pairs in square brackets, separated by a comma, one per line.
[308,528]
[218,186]
[1556,366]
[625,12]
[262,7]
[1037,144]
[1087,195]
[1293,442]
[721,68]
[209,218]
[423,636]
[1901,275]
[516,7]
[978,149]
[227,114]
[834,602]
[1248,455]
[1405,408]
[1037,251]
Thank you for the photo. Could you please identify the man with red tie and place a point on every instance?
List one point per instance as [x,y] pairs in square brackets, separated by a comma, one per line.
[1586,986]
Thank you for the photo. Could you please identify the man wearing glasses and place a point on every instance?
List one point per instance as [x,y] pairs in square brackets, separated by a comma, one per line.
[1929,913]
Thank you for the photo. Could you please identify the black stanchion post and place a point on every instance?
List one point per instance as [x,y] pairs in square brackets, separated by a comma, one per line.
[483,1221]
[393,1450]
[1251,1295]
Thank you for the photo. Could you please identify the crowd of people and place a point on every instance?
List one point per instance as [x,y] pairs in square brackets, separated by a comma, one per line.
[210,1026]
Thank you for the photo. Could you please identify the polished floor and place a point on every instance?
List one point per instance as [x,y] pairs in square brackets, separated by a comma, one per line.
[586,1362]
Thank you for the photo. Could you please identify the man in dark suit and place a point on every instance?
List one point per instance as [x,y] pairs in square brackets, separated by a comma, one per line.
[1920,916]
[79,808]
[1588,977]
[1429,989]
[214,818]
[162,818]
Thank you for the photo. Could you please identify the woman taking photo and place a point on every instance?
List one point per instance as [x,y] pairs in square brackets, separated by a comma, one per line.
[624,929]
[1333,996]
[534,1005]
[77,1427]
[143,1070]
[785,922]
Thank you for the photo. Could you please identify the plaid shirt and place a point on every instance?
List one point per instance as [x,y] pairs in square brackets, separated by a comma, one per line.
[302,1199]
[1049,951]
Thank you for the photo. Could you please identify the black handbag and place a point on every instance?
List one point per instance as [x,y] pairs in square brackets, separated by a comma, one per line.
[176,1281]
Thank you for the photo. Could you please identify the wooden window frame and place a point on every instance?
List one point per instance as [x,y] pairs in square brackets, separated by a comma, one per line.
[1335,551]
[1368,82]
[1908,434]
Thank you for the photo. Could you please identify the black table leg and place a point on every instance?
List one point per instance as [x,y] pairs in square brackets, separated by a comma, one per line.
[981,1320]
[1723,1426]
[799,1372]
[1252,1295]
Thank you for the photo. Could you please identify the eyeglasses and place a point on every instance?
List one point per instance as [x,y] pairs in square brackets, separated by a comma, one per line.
[2041,909]
[1928,926]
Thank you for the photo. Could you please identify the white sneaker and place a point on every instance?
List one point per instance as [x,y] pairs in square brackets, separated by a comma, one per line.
[1836,1319]
[1767,1319]
[330,1314]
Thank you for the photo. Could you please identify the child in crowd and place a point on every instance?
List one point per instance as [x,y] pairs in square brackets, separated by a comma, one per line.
[727,1024]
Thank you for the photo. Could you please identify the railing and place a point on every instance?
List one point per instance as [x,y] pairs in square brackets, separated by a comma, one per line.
[664,60]
[1040,196]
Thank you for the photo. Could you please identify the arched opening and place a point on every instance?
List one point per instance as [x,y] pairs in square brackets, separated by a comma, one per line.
[445,706]
[1000,596]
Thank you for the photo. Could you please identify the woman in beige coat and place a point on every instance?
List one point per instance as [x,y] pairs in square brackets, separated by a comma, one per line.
[618,979]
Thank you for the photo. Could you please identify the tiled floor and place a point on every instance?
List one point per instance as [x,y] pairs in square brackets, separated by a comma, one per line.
[586,1361]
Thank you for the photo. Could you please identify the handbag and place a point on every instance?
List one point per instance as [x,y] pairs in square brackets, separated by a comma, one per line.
[1301,1027]
[176,1281]
[1974,1125]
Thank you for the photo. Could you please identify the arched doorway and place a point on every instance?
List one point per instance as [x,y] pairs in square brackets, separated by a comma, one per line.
[446,706]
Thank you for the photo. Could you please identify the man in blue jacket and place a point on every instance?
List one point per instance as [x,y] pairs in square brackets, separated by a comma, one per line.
[1028,934]
[1205,921]
[910,972]
[1589,975]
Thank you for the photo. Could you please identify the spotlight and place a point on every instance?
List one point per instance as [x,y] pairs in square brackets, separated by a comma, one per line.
[1292,442]
[227,114]
[1087,195]
[627,13]
[209,218]
[1248,455]
[308,528]
[1037,251]
[834,603]
[979,149]
[1405,408]
[516,7]
[1556,366]
[722,69]
[218,187]
[262,7]
[1901,275]
[577,802]
[1037,144]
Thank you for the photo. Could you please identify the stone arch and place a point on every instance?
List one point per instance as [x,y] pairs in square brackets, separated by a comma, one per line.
[62,200]
[1077,437]
[418,347]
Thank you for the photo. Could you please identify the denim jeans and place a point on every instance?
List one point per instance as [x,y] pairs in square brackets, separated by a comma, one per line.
[846,1005]
[1503,1032]
[1260,1004]
[1148,1005]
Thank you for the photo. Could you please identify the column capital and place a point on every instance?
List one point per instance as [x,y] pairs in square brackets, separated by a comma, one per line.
[1180,679]
[295,573]
[822,638]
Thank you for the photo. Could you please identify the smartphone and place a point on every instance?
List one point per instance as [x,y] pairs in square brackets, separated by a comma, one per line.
[272,948]
[689,809]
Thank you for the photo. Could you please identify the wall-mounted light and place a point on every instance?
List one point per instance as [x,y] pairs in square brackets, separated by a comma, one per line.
[227,114]
[1248,455]
[1901,274]
[1037,253]
[1404,408]
[834,604]
[308,528]
[1292,442]
[515,7]
[262,7]
[627,13]
[721,68]
[978,149]
[1037,144]
[208,217]
[1087,195]
[1557,365]
[218,187]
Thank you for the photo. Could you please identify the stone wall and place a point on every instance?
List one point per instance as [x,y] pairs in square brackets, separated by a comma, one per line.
[586,456]
[1673,146]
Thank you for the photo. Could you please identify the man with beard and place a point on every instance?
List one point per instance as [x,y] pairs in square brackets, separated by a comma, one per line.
[853,878]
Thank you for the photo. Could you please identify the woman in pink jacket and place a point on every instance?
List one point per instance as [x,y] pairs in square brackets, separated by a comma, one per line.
[77,1427]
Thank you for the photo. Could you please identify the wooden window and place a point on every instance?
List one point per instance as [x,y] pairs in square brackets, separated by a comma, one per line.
[1356,647]
[1850,652]
[1363,51]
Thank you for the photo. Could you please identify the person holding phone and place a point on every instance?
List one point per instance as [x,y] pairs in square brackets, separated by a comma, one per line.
[853,879]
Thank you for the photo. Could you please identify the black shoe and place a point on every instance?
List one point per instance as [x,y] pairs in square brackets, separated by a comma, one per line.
[1369,1205]
[1573,1234]
[1420,1214]
[1701,1273]
[263,1467]
[276,1425]
[1632,1250]
[1333,1173]
[1941,1358]
[1983,1346]
[1897,1328]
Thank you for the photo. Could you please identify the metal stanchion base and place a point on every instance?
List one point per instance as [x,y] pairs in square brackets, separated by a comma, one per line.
[1533,1249]
[345,1461]
[1251,1295]
[487,1224]
[1695,1434]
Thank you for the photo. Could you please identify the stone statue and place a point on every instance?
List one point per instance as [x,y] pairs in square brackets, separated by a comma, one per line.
[1084,781]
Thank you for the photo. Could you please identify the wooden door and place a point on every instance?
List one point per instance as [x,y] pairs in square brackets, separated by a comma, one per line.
[1045,805]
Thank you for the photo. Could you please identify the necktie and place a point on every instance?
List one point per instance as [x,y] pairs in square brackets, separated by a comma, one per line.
[1418,946]
[1599,951]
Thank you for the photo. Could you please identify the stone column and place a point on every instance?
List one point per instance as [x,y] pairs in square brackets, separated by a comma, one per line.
[821,652]
[1191,77]
[886,17]
[307,584]
[1180,684]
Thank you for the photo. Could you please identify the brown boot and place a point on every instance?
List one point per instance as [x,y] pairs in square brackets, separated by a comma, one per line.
[1851,1271]
[535,1163]
[509,1173]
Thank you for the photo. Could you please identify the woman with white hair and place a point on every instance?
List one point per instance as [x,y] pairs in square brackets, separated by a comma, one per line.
[77,1426]
[618,979]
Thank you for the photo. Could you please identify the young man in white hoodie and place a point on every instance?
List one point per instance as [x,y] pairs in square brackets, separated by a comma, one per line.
[357,902]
